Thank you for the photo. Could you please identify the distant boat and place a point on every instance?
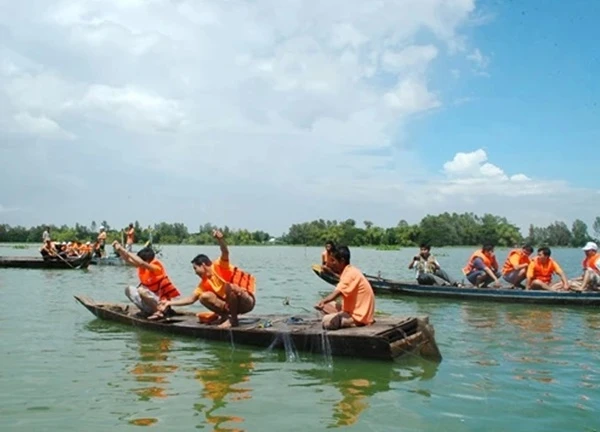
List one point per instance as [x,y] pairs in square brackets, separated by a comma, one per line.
[506,295]
[81,262]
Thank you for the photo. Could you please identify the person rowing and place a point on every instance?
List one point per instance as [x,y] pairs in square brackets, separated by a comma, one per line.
[358,299]
[155,285]
[225,290]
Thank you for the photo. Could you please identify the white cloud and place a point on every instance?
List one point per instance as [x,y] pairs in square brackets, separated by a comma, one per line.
[218,109]
[480,62]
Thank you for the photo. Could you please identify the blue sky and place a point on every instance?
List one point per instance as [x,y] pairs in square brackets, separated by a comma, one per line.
[262,114]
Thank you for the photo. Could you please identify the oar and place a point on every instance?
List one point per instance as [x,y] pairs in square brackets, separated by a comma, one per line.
[67,262]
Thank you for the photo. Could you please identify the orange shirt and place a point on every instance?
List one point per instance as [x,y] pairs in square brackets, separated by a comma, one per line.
[157,280]
[359,300]
[215,283]
[542,272]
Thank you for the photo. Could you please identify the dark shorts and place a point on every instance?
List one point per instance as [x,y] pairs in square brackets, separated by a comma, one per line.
[472,277]
[511,277]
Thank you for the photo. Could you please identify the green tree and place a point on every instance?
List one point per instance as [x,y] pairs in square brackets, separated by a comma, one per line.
[579,233]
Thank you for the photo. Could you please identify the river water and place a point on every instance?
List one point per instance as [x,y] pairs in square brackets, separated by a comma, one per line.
[505,367]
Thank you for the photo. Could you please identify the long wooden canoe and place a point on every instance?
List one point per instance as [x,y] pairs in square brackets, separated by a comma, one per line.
[40,263]
[387,286]
[387,339]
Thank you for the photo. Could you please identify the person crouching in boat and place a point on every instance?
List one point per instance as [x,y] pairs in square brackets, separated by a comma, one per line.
[225,290]
[48,250]
[514,270]
[591,268]
[541,269]
[482,267]
[358,299]
[155,285]
[428,269]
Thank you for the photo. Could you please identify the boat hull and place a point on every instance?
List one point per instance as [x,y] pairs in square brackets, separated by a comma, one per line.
[386,286]
[389,338]
[39,263]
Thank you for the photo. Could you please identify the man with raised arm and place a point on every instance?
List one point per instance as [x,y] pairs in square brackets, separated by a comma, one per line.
[225,290]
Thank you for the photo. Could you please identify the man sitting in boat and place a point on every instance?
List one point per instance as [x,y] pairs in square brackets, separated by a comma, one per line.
[358,299]
[155,285]
[591,267]
[482,267]
[48,250]
[541,269]
[428,269]
[225,290]
[514,270]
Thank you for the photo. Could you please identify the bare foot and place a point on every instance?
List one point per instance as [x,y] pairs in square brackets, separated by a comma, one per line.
[225,325]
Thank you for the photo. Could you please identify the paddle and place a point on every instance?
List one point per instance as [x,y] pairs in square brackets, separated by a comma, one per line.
[67,262]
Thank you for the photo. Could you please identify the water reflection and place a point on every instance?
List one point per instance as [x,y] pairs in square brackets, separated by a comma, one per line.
[152,368]
[359,381]
[223,379]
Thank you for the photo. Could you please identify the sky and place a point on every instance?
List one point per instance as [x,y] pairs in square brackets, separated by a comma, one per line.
[260,114]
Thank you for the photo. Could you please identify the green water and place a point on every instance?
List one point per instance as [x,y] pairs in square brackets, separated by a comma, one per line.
[505,367]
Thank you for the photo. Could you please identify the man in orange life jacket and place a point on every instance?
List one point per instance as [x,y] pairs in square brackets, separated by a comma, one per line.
[482,267]
[541,269]
[155,285]
[591,267]
[225,290]
[514,270]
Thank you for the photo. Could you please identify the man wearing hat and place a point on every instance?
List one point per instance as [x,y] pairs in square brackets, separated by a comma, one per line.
[591,267]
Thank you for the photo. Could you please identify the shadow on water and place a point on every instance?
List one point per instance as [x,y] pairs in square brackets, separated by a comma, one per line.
[358,381]
[223,377]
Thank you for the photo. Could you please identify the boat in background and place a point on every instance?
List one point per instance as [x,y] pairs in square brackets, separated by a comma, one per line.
[81,262]
[389,338]
[506,295]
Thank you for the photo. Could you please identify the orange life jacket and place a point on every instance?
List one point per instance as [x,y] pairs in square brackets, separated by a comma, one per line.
[523,259]
[592,263]
[487,261]
[232,275]
[543,272]
[158,282]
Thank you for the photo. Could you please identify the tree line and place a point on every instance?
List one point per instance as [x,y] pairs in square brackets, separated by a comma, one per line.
[466,229]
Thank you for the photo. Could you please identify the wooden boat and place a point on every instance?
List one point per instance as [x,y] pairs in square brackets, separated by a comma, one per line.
[507,295]
[387,339]
[81,262]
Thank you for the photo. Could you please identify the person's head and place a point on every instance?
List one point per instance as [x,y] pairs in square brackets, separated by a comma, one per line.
[488,249]
[130,225]
[201,265]
[544,254]
[590,248]
[340,258]
[330,246]
[101,229]
[146,254]
[424,250]
[527,249]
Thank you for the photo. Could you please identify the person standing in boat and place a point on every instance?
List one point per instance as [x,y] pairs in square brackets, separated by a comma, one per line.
[541,269]
[428,269]
[514,270]
[225,290]
[130,233]
[482,267]
[155,285]
[46,235]
[101,242]
[358,299]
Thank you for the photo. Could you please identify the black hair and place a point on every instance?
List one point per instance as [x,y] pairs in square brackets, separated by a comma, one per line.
[425,246]
[146,254]
[330,243]
[487,247]
[342,253]
[528,248]
[201,259]
[545,250]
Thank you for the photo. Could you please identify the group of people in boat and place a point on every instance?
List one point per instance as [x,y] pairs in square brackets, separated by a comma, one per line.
[519,270]
[75,248]
[227,291]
